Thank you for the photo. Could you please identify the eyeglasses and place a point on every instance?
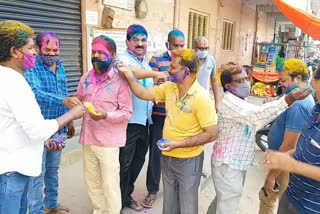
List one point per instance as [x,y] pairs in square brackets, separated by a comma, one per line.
[203,49]
[241,80]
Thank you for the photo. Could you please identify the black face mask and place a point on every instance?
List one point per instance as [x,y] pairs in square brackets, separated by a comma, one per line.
[102,66]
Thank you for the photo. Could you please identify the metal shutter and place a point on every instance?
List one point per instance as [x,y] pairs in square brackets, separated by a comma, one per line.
[62,17]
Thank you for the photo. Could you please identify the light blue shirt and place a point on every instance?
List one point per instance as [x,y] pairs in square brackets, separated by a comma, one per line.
[142,109]
[207,69]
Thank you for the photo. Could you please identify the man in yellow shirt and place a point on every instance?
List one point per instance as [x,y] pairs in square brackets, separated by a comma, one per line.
[191,122]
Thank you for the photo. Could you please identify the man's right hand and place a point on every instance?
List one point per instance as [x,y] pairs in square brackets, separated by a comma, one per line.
[77,112]
[71,102]
[297,94]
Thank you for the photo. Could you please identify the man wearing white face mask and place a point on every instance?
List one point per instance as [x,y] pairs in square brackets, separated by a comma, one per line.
[207,74]
[233,151]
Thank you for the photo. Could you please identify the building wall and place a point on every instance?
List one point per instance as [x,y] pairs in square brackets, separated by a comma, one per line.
[159,18]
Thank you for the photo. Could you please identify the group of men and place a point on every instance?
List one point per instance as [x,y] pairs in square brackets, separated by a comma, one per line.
[137,103]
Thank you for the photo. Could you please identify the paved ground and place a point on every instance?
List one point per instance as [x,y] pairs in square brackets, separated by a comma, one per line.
[74,195]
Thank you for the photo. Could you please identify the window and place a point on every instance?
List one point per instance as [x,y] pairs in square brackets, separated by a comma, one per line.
[227,35]
[198,26]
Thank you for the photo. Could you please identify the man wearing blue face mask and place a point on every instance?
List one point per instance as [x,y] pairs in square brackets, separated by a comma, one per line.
[233,151]
[207,74]
[49,84]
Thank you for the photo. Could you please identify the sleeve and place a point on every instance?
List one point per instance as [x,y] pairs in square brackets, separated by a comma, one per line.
[43,97]
[250,114]
[79,92]
[154,64]
[295,118]
[205,111]
[160,91]
[214,67]
[124,111]
[27,113]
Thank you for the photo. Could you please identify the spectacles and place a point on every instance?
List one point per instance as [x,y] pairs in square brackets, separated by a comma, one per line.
[241,80]
[203,49]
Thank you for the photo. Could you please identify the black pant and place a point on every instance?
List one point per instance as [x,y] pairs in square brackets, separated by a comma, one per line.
[154,169]
[131,158]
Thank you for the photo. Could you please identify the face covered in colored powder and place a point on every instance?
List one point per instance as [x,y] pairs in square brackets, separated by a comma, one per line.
[287,82]
[177,71]
[101,56]
[138,44]
[49,50]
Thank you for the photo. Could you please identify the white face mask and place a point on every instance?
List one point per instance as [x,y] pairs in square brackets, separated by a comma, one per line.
[202,54]
[169,53]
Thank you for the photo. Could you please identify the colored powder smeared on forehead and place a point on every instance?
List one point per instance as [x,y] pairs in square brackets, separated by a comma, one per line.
[99,44]
[295,66]
[44,38]
[176,33]
[134,30]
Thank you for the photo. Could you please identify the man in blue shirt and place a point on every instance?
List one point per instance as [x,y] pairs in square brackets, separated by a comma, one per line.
[285,132]
[303,192]
[49,84]
[161,63]
[132,155]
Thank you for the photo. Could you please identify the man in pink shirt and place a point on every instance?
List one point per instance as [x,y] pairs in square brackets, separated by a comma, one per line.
[104,128]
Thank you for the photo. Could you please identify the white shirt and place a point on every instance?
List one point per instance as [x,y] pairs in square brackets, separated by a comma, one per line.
[238,122]
[207,69]
[23,129]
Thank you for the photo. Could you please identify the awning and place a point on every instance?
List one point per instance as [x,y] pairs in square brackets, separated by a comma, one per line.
[265,77]
[307,22]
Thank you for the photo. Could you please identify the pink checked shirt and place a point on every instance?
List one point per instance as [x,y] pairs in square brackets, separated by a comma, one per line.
[109,93]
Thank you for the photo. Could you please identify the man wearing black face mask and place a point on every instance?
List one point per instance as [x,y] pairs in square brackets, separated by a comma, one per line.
[49,84]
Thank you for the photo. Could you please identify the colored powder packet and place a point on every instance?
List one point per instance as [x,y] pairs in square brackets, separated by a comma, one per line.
[161,142]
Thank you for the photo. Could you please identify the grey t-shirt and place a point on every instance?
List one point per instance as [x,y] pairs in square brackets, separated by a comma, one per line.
[207,69]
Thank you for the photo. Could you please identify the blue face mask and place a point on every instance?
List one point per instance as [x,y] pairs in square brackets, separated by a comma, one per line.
[102,66]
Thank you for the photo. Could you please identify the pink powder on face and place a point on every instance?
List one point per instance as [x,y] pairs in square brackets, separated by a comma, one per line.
[133,45]
[50,43]
[100,45]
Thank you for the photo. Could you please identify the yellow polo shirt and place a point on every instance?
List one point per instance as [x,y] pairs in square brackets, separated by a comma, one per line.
[186,116]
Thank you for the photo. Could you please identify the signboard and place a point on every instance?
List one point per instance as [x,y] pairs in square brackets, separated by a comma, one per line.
[124,4]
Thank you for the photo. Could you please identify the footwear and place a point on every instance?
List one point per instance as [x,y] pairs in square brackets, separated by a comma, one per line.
[134,205]
[149,200]
[60,209]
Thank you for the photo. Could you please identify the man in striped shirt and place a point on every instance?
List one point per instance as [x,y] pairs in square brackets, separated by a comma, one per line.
[161,63]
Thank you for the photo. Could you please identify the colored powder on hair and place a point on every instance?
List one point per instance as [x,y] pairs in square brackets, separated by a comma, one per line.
[99,44]
[188,55]
[176,33]
[136,29]
[295,66]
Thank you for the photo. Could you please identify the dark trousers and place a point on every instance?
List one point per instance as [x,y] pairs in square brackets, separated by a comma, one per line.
[154,169]
[131,158]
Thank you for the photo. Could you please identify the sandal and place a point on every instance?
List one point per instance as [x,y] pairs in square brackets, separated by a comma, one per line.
[134,205]
[59,209]
[149,200]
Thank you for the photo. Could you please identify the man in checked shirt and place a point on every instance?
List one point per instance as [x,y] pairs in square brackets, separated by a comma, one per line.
[233,151]
[49,84]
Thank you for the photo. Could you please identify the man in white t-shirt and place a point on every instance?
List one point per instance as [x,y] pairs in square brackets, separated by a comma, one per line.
[207,74]
[23,129]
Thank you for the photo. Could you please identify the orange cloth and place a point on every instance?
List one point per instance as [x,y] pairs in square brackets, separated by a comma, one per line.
[308,23]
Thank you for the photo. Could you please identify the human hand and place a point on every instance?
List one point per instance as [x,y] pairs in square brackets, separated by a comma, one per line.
[123,69]
[52,146]
[71,102]
[278,160]
[161,77]
[98,115]
[167,147]
[71,130]
[269,185]
[297,94]
[77,112]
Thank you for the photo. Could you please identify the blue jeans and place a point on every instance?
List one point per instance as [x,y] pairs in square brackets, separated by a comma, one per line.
[49,175]
[13,193]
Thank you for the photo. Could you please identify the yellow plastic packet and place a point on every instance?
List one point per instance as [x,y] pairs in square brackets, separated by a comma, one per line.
[89,107]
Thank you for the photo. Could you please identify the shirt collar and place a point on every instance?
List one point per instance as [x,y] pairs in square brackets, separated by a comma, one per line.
[144,58]
[106,76]
[193,89]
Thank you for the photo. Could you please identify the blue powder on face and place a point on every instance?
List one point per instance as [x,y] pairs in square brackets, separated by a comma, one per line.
[175,33]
